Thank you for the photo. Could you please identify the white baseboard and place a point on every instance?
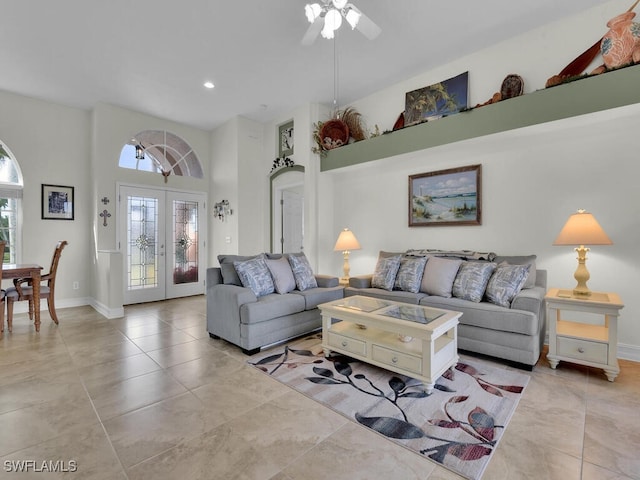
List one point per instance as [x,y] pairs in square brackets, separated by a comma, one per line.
[629,352]
[23,307]
[105,311]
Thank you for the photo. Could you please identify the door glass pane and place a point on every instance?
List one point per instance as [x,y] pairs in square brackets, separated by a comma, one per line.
[185,246]
[142,234]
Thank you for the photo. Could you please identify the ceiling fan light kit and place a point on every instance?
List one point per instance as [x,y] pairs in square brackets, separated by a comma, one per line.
[326,17]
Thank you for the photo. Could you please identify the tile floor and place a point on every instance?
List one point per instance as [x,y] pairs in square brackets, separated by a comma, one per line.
[151,396]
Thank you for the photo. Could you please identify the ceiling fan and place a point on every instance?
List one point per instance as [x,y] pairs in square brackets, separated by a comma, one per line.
[326,17]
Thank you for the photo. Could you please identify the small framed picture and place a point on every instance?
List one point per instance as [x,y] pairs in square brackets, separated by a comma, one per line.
[285,139]
[446,197]
[57,202]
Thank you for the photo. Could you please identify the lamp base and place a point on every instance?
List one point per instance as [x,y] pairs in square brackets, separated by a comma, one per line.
[581,293]
[344,279]
[582,274]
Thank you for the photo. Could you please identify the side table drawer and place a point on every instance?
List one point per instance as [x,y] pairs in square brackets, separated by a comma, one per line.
[348,344]
[583,349]
[396,359]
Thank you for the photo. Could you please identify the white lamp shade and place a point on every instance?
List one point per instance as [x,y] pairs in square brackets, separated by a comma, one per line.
[333,19]
[353,17]
[327,32]
[582,229]
[312,11]
[339,4]
[346,241]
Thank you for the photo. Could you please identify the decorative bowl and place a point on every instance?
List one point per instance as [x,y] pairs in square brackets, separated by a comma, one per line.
[334,134]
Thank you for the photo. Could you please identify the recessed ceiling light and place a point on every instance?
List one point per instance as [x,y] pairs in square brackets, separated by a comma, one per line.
[209,84]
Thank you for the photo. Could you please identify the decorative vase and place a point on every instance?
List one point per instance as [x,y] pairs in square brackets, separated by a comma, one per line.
[621,44]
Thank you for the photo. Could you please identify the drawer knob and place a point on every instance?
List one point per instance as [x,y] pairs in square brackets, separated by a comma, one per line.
[580,349]
[394,360]
[344,343]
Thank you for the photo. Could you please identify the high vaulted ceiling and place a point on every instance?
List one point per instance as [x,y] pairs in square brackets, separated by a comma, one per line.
[153,56]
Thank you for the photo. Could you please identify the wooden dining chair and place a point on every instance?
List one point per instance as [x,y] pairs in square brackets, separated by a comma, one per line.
[23,289]
[2,292]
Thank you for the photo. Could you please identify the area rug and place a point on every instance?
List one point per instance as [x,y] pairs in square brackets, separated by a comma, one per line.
[457,426]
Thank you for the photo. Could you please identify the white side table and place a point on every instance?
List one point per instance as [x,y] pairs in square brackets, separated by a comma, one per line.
[583,343]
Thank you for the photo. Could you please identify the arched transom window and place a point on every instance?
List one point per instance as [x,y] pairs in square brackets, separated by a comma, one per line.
[160,151]
[10,203]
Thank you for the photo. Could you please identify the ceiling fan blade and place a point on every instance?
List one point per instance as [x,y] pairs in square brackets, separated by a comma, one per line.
[367,27]
[312,32]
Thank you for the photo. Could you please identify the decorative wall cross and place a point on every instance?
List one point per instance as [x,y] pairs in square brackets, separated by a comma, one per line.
[104,216]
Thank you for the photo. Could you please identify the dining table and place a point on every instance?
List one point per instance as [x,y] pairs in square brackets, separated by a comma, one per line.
[27,270]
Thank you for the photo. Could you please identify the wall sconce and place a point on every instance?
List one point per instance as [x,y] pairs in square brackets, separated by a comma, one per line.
[222,209]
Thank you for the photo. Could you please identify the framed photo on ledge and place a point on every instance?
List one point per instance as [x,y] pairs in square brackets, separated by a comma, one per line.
[57,202]
[446,197]
[285,139]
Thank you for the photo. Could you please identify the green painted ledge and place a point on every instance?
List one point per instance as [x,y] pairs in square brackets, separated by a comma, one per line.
[588,95]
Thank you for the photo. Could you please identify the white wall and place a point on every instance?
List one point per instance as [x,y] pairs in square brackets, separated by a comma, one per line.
[224,185]
[52,146]
[533,178]
[112,128]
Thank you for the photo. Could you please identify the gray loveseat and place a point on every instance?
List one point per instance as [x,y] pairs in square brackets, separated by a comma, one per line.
[236,314]
[514,332]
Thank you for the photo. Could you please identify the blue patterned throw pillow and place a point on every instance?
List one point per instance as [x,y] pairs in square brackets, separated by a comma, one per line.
[410,274]
[506,283]
[255,275]
[471,281]
[385,274]
[302,272]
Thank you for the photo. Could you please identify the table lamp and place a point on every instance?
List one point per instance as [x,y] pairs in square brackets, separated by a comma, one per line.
[346,242]
[582,229]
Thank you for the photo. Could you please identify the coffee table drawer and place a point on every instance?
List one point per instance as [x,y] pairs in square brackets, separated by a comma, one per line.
[582,349]
[347,344]
[396,359]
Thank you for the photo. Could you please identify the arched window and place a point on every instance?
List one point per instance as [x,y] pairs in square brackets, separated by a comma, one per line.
[159,151]
[10,203]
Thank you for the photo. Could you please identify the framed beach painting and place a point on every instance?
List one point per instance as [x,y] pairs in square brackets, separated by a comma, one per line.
[57,202]
[437,100]
[446,197]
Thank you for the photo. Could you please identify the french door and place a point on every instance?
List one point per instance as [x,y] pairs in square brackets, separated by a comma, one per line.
[162,239]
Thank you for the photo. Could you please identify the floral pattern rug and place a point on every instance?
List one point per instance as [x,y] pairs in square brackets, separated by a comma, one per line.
[458,425]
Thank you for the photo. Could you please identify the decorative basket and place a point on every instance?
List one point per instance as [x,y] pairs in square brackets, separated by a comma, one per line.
[334,133]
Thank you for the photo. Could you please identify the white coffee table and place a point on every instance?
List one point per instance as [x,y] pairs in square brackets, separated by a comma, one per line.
[370,330]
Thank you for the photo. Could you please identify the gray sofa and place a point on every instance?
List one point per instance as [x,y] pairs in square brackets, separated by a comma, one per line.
[515,333]
[236,314]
